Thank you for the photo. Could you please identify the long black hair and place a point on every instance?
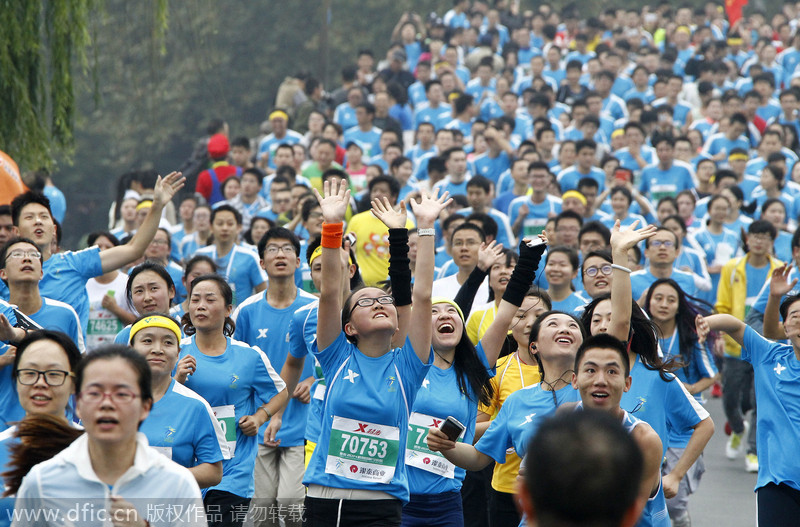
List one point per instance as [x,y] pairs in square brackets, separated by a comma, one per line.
[642,338]
[471,373]
[688,309]
[538,325]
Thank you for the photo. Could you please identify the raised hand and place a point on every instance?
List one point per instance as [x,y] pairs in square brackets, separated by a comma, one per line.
[186,367]
[542,236]
[428,208]
[624,239]
[490,254]
[167,187]
[702,328]
[778,283]
[334,203]
[393,218]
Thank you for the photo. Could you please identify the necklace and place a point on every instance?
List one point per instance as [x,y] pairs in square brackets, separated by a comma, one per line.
[553,385]
[440,356]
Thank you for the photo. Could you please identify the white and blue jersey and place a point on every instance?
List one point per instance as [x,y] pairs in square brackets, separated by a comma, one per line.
[271,143]
[369,141]
[59,316]
[505,236]
[440,397]
[520,417]
[719,143]
[777,376]
[664,405]
[235,384]
[240,268]
[365,419]
[642,279]
[438,116]
[445,185]
[569,177]
[345,116]
[261,325]
[491,167]
[657,183]
[182,426]
[302,335]
[573,302]
[538,213]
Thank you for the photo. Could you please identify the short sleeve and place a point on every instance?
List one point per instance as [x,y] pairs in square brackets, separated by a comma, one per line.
[206,443]
[257,274]
[412,370]
[297,344]
[757,349]
[266,382]
[87,262]
[496,440]
[683,410]
[332,357]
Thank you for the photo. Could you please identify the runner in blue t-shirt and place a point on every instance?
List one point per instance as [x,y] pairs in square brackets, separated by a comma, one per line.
[263,320]
[181,424]
[239,265]
[149,290]
[238,382]
[66,273]
[358,467]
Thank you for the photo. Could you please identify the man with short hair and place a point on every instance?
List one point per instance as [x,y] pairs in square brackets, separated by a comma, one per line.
[66,273]
[584,167]
[238,265]
[465,243]
[667,177]
[434,110]
[518,173]
[530,214]
[249,201]
[263,321]
[479,196]
[720,144]
[457,176]
[661,251]
[365,133]
[567,228]
[323,159]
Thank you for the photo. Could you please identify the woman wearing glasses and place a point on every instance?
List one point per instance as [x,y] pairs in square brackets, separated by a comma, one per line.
[357,474]
[42,370]
[109,470]
[238,382]
[181,424]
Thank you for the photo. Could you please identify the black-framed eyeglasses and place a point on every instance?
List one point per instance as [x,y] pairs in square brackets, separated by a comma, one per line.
[118,397]
[29,377]
[369,301]
[593,270]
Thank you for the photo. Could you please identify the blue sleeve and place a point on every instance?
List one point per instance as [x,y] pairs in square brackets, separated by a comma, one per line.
[8,311]
[264,378]
[297,344]
[256,274]
[124,336]
[205,443]
[332,357]
[757,349]
[242,325]
[496,440]
[644,186]
[412,370]
[704,361]
[682,409]
[87,262]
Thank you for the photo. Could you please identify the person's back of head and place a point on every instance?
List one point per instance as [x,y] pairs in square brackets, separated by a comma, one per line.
[582,468]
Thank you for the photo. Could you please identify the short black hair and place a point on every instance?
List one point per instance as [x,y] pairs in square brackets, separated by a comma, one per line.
[604,341]
[226,208]
[394,185]
[599,228]
[278,233]
[25,199]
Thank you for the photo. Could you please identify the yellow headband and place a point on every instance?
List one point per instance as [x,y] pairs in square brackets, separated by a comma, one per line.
[683,29]
[279,114]
[144,204]
[618,132]
[574,194]
[156,321]
[442,300]
[738,157]
[317,252]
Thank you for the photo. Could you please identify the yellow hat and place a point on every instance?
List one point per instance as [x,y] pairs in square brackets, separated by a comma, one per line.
[144,204]
[156,321]
[442,300]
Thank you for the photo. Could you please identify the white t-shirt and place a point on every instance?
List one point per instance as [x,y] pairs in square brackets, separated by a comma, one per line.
[103,324]
[449,286]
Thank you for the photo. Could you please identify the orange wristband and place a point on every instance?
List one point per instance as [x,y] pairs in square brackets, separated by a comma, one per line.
[332,235]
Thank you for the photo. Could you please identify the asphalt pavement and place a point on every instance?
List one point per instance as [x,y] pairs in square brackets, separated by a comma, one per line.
[725,497]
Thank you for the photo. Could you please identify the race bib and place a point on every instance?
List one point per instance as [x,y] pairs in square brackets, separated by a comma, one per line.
[227,420]
[362,451]
[103,326]
[417,453]
[319,392]
[662,191]
[165,450]
[533,226]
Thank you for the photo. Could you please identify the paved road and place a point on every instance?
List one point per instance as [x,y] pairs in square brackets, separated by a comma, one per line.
[725,497]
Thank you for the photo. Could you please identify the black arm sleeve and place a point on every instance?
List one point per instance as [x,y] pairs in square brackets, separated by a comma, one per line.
[466,293]
[524,273]
[399,267]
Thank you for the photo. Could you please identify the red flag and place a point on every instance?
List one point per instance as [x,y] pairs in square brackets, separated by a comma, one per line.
[733,9]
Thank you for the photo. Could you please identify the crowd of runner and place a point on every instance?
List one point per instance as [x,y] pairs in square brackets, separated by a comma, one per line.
[364,315]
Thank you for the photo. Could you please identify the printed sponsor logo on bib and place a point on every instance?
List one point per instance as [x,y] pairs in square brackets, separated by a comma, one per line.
[363,451]
[417,453]
[227,420]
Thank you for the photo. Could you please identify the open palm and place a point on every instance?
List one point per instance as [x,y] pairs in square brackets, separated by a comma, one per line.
[334,203]
[428,208]
[393,218]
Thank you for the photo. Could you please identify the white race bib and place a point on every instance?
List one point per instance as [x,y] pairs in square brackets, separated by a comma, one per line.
[227,420]
[417,453]
[319,392]
[165,450]
[362,451]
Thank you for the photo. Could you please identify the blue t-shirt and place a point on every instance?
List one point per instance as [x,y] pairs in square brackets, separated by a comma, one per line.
[368,141]
[345,116]
[666,406]
[538,213]
[777,384]
[270,143]
[234,384]
[490,167]
[756,278]
[657,183]
[58,203]
[182,426]
[641,280]
[259,324]
[439,397]
[240,268]
[302,335]
[438,116]
[368,399]
[520,417]
[569,177]
[65,277]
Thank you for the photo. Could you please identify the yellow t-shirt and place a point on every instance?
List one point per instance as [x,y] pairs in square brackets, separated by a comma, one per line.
[512,375]
[372,246]
[479,321]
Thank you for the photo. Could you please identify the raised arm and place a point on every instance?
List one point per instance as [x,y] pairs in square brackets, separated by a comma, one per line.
[487,256]
[334,206]
[120,255]
[426,212]
[621,293]
[518,285]
[399,264]
[725,323]
[778,286]
[460,454]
